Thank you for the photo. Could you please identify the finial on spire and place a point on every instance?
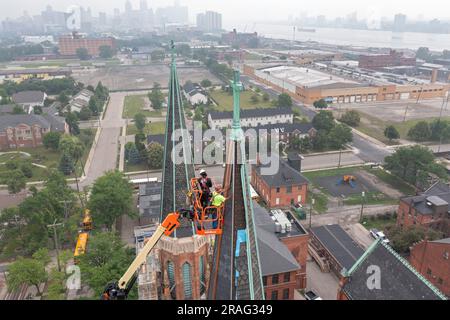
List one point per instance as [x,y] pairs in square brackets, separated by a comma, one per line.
[237,87]
[172,50]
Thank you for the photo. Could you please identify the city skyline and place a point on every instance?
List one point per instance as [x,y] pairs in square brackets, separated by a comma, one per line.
[282,11]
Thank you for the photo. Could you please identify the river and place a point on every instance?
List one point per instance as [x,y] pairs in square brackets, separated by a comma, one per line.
[352,37]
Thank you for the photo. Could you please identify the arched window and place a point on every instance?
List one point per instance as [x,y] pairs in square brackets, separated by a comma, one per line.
[202,275]
[171,275]
[187,283]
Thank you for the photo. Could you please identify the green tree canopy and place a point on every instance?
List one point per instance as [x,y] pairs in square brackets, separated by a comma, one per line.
[351,118]
[30,272]
[155,155]
[391,133]
[15,180]
[206,83]
[324,120]
[139,121]
[156,96]
[284,100]
[51,140]
[320,104]
[339,136]
[72,122]
[420,132]
[106,52]
[83,54]
[111,197]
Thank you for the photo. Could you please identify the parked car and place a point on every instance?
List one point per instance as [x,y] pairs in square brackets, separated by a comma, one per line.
[310,295]
[376,234]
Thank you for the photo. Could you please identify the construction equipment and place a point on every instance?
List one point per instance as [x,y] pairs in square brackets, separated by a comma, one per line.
[119,290]
[349,180]
[208,220]
[83,235]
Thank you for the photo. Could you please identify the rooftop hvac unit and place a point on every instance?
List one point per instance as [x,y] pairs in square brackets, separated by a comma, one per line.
[277,227]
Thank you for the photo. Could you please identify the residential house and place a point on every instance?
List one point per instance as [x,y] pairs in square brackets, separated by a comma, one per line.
[251,117]
[283,188]
[149,200]
[29,99]
[283,251]
[429,209]
[432,260]
[80,100]
[28,130]
[287,131]
[195,94]
[382,274]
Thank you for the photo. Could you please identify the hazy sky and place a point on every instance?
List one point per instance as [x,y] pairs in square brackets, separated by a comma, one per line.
[252,10]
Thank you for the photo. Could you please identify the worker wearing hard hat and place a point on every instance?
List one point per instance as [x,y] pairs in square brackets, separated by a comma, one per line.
[205,185]
[217,202]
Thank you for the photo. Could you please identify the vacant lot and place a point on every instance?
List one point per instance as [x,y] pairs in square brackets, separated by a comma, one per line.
[134,104]
[225,100]
[150,128]
[375,117]
[140,77]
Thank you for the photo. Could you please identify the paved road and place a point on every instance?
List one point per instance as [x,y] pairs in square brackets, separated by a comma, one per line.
[107,148]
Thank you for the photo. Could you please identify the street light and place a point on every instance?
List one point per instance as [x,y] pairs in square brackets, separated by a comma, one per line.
[313,201]
[363,194]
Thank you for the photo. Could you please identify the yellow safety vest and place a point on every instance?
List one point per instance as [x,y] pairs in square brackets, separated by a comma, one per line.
[217,199]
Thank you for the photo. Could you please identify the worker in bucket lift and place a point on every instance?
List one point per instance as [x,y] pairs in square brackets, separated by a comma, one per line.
[217,201]
[205,185]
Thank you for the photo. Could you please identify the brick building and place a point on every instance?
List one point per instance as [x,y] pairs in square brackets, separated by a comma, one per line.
[286,187]
[382,274]
[429,209]
[283,252]
[28,130]
[377,61]
[432,260]
[69,44]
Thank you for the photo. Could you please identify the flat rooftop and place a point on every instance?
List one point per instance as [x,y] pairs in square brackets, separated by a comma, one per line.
[305,77]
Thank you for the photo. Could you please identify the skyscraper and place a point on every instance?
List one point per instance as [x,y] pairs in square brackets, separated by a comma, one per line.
[209,21]
[236,270]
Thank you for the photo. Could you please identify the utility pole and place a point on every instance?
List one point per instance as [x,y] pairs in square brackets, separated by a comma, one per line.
[340,155]
[55,239]
[363,194]
[313,201]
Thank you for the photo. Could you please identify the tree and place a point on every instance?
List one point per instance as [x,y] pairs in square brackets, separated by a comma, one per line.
[351,118]
[42,255]
[206,83]
[266,97]
[132,154]
[30,272]
[106,52]
[254,99]
[15,180]
[391,133]
[139,140]
[82,54]
[320,104]
[324,120]
[27,169]
[72,122]
[155,155]
[156,97]
[423,53]
[413,164]
[106,261]
[66,164]
[51,140]
[111,197]
[18,110]
[404,238]
[94,105]
[339,135]
[139,121]
[63,99]
[157,55]
[284,100]
[320,141]
[420,132]
[184,50]
[71,146]
[85,114]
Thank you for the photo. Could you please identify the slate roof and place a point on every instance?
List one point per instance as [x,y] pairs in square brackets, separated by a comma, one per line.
[339,244]
[274,256]
[440,192]
[251,113]
[398,279]
[188,87]
[7,108]
[286,175]
[159,138]
[150,199]
[284,127]
[13,120]
[28,97]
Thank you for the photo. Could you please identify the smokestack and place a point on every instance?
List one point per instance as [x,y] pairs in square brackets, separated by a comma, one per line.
[434,75]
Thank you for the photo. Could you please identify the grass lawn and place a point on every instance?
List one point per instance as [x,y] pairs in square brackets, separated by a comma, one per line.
[136,167]
[394,181]
[375,127]
[320,201]
[378,222]
[371,198]
[329,173]
[150,128]
[225,100]
[49,158]
[134,104]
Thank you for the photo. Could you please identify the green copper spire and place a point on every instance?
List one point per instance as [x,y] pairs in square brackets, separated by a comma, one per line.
[237,87]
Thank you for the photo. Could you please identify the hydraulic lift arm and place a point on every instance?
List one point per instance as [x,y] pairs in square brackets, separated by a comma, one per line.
[119,290]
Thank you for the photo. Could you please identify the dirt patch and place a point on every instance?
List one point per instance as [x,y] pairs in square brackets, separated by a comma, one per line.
[380,185]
